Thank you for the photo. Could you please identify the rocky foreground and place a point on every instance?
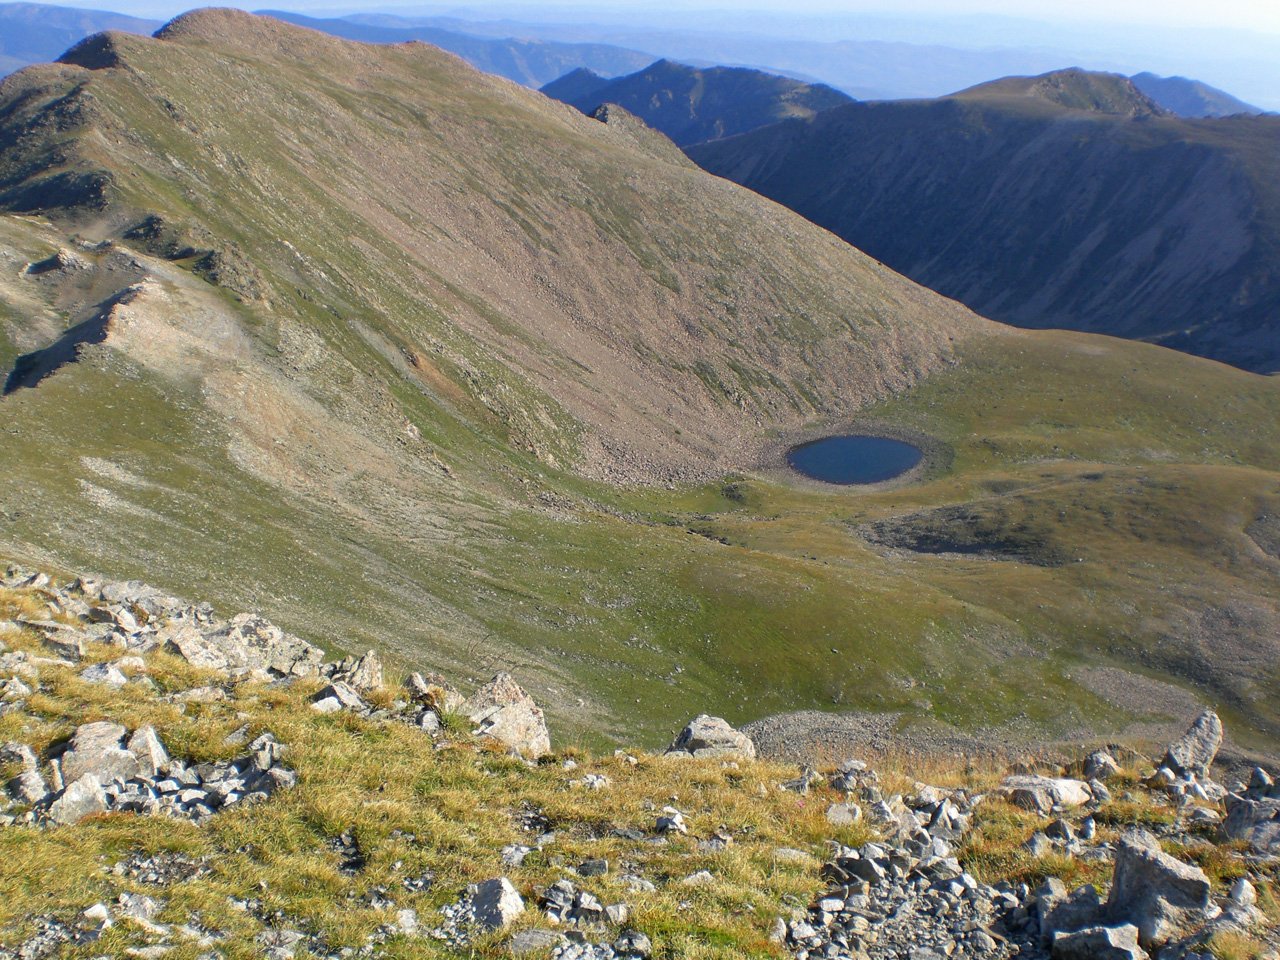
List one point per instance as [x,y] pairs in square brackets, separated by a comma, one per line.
[317,808]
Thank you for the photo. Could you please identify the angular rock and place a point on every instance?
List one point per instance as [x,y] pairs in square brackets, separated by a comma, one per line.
[496,903]
[1159,894]
[83,798]
[707,736]
[502,711]
[1256,820]
[1099,943]
[106,673]
[1042,794]
[337,696]
[96,749]
[148,751]
[362,674]
[1100,765]
[1194,752]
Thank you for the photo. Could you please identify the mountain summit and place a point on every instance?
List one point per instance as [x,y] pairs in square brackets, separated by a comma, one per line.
[1067,200]
[692,105]
[1074,89]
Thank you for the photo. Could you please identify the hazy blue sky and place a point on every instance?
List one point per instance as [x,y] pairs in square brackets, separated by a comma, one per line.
[1231,14]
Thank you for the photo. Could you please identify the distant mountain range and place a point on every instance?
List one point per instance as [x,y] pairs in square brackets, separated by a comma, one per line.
[38,33]
[529,62]
[1067,200]
[1190,98]
[691,105]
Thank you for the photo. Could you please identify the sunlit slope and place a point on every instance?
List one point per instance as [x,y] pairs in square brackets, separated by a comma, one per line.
[377,330]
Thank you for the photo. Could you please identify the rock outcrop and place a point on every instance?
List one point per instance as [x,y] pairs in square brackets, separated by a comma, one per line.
[106,769]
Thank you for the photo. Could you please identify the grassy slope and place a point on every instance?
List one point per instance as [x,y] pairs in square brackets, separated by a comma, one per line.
[304,498]
[414,809]
[1043,213]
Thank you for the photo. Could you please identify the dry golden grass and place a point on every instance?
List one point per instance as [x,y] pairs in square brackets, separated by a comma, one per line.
[449,808]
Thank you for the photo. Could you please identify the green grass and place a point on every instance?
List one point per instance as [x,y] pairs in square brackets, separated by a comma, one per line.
[284,479]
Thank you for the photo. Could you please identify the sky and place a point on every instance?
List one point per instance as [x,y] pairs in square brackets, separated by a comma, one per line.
[1248,15]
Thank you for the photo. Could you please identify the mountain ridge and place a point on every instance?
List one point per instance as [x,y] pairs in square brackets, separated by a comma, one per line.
[1150,226]
[416,359]
[692,105]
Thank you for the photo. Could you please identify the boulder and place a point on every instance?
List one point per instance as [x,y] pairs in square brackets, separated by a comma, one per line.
[1099,943]
[502,711]
[106,673]
[495,903]
[337,696]
[96,749]
[1100,765]
[28,787]
[1194,752]
[1042,794]
[706,736]
[83,798]
[1255,819]
[1159,894]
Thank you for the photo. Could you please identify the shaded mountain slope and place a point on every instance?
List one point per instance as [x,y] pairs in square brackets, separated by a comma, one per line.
[691,105]
[1045,215]
[1190,98]
[369,334]
[529,62]
[39,32]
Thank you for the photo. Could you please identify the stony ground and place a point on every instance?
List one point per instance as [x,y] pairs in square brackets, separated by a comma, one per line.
[183,786]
